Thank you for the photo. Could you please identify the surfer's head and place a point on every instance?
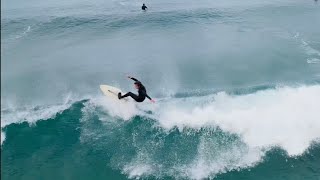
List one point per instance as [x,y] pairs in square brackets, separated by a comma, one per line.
[137,84]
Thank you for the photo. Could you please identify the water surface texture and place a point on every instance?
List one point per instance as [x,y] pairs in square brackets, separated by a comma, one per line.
[237,85]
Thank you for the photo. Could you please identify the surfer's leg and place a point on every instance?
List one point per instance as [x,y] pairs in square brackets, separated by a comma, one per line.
[133,96]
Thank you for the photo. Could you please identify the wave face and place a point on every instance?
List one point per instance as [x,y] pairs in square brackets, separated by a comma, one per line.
[213,136]
[237,86]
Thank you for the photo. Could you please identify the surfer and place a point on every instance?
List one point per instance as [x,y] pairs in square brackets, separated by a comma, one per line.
[144,7]
[142,92]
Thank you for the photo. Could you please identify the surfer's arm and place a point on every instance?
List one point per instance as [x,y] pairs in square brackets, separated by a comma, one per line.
[148,97]
[152,100]
[133,78]
[143,93]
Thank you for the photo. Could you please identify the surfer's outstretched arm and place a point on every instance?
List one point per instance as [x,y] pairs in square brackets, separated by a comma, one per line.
[152,100]
[146,95]
[135,80]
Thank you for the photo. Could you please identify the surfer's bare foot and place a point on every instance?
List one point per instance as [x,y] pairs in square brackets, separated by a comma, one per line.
[119,95]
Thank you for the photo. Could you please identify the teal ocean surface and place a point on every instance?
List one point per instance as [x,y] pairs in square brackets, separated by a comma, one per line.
[237,85]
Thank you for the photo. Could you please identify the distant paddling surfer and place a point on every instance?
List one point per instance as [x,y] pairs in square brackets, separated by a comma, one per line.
[142,92]
[144,7]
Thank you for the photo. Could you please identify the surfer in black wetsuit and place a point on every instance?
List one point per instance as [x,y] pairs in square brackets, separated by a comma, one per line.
[142,92]
[144,7]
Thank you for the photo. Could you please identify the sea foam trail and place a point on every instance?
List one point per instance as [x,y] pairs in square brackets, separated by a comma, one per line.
[286,117]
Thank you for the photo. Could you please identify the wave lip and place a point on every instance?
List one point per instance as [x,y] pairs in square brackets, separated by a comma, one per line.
[286,117]
[30,115]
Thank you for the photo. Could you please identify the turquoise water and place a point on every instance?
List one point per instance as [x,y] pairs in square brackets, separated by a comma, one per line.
[237,86]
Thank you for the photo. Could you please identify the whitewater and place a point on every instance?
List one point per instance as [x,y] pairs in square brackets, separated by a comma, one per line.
[237,89]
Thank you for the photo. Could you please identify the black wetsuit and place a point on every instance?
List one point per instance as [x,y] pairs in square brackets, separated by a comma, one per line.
[144,7]
[142,93]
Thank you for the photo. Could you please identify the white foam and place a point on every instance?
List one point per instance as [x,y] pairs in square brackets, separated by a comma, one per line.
[140,165]
[116,108]
[3,137]
[210,160]
[313,61]
[31,114]
[309,50]
[208,164]
[285,117]
[124,110]
[135,170]
[24,33]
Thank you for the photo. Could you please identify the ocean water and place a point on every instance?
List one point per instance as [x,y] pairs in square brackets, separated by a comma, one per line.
[237,85]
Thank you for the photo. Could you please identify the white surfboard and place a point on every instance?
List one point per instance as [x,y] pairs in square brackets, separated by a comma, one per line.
[111,91]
